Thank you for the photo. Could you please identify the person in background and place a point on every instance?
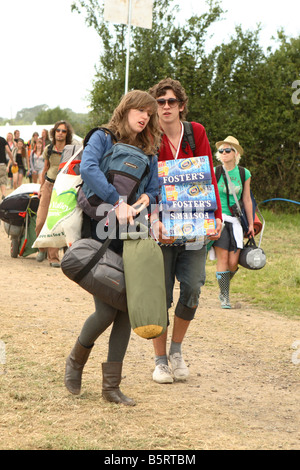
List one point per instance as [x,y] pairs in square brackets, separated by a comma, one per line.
[134,122]
[21,158]
[61,134]
[16,136]
[227,248]
[45,138]
[10,142]
[32,143]
[188,266]
[36,162]
[4,150]
[11,145]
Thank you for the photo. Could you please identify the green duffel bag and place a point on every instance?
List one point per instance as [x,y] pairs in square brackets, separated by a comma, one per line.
[145,287]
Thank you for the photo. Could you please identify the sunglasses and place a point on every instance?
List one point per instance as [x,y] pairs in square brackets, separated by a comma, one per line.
[171,102]
[61,130]
[225,150]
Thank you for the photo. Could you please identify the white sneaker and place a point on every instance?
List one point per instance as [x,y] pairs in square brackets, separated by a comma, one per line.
[162,374]
[179,367]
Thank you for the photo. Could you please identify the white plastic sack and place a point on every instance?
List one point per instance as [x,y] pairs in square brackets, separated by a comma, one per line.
[64,219]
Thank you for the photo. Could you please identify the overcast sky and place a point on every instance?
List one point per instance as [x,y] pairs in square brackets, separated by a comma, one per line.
[48,54]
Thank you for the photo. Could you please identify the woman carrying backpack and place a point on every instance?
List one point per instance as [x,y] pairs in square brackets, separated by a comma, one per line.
[134,122]
[228,247]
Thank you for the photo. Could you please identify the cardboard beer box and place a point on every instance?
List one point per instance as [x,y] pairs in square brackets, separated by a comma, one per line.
[187,170]
[185,227]
[188,197]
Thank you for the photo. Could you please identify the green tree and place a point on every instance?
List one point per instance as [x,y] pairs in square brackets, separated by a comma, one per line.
[248,95]
[79,122]
[168,49]
[50,116]
[28,115]
[236,89]
[278,122]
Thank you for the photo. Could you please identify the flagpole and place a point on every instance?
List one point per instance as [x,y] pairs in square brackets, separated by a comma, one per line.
[128,45]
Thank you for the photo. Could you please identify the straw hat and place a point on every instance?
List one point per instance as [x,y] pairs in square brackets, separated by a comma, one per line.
[233,142]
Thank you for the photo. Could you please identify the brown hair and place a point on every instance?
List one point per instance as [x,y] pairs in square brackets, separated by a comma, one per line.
[149,139]
[23,148]
[69,136]
[160,89]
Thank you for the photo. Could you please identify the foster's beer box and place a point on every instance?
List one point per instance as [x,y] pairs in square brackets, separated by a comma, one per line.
[185,227]
[187,170]
[188,197]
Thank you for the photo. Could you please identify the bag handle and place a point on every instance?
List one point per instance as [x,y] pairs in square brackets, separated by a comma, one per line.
[94,260]
[86,269]
[251,242]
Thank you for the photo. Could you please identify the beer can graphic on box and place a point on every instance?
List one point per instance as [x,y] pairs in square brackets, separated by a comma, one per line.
[187,170]
[189,226]
[188,197]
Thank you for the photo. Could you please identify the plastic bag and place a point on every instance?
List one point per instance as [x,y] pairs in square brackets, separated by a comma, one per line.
[64,219]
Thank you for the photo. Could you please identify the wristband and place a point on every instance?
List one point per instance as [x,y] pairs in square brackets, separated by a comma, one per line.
[117,204]
[153,222]
[114,207]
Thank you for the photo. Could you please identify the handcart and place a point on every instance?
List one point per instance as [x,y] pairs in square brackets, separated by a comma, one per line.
[18,212]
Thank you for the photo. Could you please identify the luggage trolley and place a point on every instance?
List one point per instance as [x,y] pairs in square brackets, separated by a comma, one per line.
[18,212]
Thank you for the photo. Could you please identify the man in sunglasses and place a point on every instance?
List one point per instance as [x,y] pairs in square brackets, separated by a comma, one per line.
[188,266]
[61,135]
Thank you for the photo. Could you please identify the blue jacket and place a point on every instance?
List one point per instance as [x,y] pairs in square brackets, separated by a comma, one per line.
[94,179]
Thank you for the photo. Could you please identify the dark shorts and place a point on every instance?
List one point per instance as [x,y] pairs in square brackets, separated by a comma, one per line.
[226,240]
[21,171]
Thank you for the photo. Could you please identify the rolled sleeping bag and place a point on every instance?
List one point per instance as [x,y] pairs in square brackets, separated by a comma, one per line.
[145,287]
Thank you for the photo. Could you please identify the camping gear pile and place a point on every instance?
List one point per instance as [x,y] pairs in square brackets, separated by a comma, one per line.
[18,212]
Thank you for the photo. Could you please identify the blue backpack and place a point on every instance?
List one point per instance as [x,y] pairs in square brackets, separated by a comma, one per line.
[126,167]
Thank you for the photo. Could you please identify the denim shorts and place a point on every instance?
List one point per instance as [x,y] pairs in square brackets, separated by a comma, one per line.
[188,267]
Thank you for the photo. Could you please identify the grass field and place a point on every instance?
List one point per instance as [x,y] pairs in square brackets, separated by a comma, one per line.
[277,285]
[244,364]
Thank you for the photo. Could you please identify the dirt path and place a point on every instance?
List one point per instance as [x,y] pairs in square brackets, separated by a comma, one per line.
[243,391]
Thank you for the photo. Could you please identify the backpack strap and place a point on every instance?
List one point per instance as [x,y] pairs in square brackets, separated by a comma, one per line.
[98,255]
[188,137]
[51,150]
[91,132]
[243,177]
[218,172]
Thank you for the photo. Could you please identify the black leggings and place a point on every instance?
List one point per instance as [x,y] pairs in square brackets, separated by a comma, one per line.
[99,321]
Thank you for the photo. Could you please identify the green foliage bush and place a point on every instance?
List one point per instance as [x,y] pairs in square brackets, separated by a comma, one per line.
[236,89]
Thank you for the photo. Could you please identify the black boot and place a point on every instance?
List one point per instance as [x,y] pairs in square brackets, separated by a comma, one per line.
[111,373]
[74,367]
